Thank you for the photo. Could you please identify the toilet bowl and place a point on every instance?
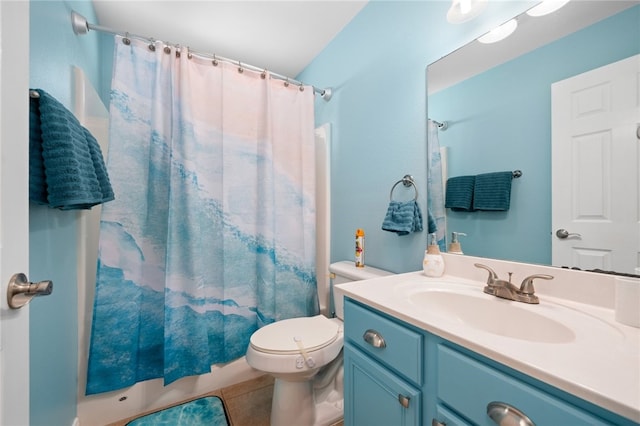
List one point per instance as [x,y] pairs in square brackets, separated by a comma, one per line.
[304,355]
[293,351]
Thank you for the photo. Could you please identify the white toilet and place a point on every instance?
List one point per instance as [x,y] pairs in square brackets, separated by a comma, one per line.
[305,357]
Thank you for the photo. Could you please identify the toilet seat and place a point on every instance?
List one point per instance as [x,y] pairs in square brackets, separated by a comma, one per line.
[313,333]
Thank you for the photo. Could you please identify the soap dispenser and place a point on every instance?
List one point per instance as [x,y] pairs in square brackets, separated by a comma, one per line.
[455,247]
[433,263]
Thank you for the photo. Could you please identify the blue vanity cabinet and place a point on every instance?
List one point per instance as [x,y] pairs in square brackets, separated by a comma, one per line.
[383,370]
[397,374]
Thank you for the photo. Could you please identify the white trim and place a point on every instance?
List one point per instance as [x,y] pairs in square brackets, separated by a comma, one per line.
[323,215]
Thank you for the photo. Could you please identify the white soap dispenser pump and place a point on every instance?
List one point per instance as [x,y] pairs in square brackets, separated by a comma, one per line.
[455,247]
[433,263]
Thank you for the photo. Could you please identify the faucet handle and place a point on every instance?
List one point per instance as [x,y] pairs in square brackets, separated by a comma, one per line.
[527,284]
[492,275]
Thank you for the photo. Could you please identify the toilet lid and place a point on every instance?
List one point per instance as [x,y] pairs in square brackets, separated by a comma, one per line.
[313,333]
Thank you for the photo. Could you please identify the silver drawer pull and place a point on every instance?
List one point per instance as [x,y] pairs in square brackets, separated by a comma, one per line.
[404,400]
[434,422]
[506,415]
[374,338]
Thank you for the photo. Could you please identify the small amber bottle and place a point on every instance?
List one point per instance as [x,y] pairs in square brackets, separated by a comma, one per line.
[359,248]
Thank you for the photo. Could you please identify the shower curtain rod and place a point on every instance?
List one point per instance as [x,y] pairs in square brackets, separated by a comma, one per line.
[441,126]
[81,27]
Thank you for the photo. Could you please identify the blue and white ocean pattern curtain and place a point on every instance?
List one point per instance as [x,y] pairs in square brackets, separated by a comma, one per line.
[435,185]
[212,232]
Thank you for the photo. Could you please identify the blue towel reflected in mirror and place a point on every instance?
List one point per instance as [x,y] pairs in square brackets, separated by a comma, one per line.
[492,191]
[459,194]
[483,192]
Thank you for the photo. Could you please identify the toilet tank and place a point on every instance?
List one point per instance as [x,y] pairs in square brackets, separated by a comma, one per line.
[344,272]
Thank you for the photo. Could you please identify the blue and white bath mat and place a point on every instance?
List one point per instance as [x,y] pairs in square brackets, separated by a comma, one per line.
[207,411]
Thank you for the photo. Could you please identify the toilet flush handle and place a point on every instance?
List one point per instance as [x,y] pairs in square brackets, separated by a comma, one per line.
[307,359]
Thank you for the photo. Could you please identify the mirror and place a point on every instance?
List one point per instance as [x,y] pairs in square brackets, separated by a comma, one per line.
[496,101]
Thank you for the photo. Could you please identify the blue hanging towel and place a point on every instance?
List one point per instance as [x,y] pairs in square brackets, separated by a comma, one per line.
[492,191]
[66,167]
[403,217]
[37,177]
[431,223]
[459,194]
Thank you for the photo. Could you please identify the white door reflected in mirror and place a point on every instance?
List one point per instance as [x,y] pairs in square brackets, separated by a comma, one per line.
[595,162]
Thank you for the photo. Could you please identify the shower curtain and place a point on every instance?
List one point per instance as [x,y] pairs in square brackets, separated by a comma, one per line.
[212,232]
[435,186]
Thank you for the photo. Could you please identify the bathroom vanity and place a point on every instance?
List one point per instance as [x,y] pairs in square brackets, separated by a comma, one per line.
[438,351]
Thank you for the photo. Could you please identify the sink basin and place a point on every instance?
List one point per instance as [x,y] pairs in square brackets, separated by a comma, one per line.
[493,315]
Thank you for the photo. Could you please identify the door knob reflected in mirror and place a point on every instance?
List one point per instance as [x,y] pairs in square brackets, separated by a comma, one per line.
[20,291]
[563,233]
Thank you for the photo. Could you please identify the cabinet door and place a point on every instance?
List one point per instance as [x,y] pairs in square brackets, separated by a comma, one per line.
[444,417]
[374,396]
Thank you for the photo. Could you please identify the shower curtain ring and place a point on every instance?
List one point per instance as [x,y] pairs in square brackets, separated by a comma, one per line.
[264,74]
[126,39]
[152,44]
[286,82]
[240,69]
[215,60]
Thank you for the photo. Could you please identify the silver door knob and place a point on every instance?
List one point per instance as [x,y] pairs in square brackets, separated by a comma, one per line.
[20,291]
[563,233]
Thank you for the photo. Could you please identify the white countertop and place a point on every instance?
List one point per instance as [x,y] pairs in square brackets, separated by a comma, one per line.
[601,364]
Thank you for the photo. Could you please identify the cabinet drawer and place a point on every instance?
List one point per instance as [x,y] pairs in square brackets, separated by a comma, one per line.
[403,348]
[468,386]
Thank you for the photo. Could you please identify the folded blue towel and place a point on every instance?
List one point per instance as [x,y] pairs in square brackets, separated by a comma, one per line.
[459,194]
[37,177]
[492,191]
[403,217]
[66,167]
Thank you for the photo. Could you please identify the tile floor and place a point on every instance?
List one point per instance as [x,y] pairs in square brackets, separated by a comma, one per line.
[247,403]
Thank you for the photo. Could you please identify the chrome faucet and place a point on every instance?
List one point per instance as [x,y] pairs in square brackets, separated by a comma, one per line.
[506,290]
[527,291]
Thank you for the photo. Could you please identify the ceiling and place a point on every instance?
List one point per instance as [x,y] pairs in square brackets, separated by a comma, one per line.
[280,36]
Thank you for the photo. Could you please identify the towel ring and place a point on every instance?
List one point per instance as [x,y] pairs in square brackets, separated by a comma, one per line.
[407,181]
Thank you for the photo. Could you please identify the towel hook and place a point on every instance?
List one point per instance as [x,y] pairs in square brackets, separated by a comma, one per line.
[407,181]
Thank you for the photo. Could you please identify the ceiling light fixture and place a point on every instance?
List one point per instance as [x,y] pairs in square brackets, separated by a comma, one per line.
[465,10]
[499,33]
[546,7]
